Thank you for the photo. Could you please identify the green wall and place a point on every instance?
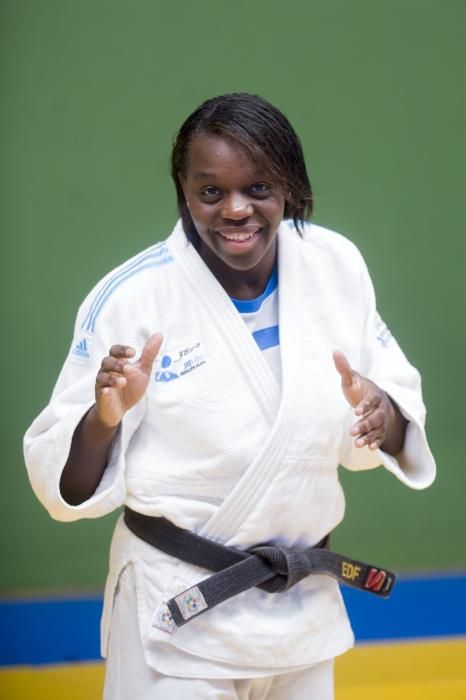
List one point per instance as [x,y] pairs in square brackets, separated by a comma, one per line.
[92,93]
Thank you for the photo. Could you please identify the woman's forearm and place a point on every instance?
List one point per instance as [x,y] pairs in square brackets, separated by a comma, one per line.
[87,460]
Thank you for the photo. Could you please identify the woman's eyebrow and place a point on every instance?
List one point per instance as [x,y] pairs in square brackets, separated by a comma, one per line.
[202,175]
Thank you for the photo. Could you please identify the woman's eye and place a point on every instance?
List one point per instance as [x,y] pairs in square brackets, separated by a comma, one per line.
[210,191]
[260,188]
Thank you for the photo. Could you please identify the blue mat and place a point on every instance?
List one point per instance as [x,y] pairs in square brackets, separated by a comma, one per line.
[67,630]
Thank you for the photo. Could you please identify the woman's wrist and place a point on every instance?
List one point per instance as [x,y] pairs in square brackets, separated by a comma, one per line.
[396,429]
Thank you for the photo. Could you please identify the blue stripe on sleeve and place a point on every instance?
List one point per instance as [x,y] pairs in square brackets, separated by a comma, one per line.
[154,257]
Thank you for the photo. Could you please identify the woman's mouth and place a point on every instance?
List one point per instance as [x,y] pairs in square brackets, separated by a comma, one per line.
[240,235]
[237,236]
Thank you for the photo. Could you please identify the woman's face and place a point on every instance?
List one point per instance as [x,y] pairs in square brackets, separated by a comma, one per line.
[236,209]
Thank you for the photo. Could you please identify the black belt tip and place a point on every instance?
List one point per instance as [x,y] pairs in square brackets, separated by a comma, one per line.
[379,581]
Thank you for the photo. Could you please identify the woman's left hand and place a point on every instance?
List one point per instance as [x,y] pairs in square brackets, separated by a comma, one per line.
[380,423]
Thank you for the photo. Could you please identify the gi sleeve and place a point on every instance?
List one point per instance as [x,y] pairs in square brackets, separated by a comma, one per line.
[383,361]
[48,440]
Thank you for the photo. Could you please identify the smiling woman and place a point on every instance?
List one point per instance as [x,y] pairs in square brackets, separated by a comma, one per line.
[209,389]
[236,216]
[238,168]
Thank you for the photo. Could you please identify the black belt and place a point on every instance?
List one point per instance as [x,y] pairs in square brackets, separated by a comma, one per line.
[272,568]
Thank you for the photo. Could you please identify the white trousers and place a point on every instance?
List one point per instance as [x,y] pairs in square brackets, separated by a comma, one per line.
[128,677]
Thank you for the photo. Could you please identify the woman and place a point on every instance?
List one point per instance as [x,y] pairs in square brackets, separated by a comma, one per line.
[246,323]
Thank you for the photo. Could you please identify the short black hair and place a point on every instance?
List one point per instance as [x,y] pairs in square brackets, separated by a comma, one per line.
[263,133]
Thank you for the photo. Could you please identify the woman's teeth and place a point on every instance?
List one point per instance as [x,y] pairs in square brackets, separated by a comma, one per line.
[236,236]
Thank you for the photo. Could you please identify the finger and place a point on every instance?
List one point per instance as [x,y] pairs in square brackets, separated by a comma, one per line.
[150,352]
[372,422]
[106,390]
[343,368]
[105,394]
[373,439]
[122,351]
[376,444]
[102,379]
[368,404]
[111,364]
[110,379]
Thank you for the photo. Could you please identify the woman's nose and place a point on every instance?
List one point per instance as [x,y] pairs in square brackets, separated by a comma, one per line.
[236,206]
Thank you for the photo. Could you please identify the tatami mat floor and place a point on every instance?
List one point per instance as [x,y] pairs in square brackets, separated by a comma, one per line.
[403,671]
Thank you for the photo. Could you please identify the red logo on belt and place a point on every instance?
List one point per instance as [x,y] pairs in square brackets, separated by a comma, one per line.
[375,579]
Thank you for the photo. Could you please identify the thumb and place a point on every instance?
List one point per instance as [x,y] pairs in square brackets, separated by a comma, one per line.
[150,352]
[343,368]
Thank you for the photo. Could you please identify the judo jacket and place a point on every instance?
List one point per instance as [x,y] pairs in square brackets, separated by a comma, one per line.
[217,446]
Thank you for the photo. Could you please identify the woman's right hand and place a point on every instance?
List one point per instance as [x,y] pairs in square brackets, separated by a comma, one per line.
[120,384]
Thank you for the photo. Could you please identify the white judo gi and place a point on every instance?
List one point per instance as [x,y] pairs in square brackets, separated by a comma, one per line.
[218,447]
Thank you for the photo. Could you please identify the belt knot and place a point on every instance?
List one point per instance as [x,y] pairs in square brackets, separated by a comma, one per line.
[290,566]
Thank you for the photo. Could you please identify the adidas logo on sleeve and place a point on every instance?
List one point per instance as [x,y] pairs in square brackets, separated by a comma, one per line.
[81,351]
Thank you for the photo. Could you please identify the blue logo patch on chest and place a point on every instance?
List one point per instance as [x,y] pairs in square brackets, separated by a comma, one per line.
[177,363]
